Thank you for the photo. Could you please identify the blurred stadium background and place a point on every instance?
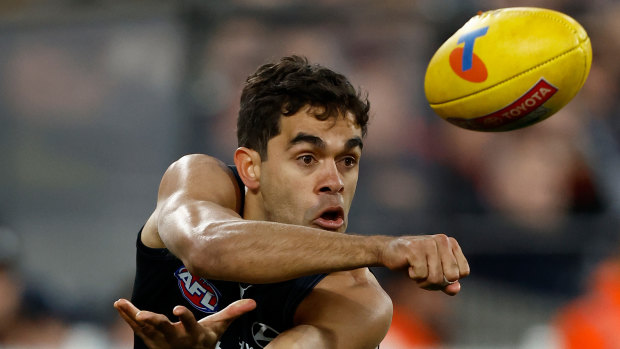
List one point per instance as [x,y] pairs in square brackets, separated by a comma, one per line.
[98,97]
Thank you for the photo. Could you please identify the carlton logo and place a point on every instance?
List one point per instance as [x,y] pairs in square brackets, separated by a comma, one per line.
[198,291]
[464,62]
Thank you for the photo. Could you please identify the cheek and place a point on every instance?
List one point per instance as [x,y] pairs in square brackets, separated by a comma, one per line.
[284,199]
[286,207]
[351,185]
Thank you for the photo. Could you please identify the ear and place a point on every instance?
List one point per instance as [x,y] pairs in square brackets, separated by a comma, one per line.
[248,163]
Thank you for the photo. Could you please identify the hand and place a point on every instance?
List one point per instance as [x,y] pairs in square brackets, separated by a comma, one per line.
[435,262]
[158,332]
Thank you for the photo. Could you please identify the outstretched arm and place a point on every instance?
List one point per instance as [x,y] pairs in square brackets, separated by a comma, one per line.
[196,219]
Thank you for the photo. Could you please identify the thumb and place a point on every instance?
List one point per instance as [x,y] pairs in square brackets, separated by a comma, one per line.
[452,289]
[233,311]
[219,322]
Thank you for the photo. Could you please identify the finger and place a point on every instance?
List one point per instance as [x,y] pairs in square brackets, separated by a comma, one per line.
[452,289]
[241,307]
[418,265]
[450,266]
[157,324]
[127,307]
[460,259]
[435,269]
[146,316]
[187,319]
[126,315]
[129,312]
[220,321]
[149,333]
[234,310]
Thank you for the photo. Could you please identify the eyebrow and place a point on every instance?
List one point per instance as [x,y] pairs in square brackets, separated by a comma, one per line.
[302,137]
[354,142]
[307,138]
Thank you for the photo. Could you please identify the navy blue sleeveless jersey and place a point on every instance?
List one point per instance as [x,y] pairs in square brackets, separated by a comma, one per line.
[162,282]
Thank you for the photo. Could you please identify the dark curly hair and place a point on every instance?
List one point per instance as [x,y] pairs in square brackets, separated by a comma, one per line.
[283,88]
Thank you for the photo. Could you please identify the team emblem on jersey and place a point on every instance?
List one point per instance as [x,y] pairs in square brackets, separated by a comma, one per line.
[263,334]
[198,291]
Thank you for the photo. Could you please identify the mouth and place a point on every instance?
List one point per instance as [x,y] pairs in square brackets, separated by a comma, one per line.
[332,218]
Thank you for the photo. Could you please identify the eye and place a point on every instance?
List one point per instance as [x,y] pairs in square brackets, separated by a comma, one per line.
[306,159]
[349,161]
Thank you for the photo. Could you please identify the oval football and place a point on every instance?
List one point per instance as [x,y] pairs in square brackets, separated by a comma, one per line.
[508,68]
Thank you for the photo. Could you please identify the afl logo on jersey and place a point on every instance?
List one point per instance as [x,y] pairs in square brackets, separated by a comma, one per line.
[198,291]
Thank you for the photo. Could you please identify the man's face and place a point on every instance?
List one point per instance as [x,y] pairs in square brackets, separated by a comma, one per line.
[311,172]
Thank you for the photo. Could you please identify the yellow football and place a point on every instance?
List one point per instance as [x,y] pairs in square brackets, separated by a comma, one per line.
[508,68]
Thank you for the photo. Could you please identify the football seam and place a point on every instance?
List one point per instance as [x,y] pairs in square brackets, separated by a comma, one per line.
[459,99]
[554,17]
[585,66]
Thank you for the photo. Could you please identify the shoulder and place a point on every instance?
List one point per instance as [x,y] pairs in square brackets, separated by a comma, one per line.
[190,179]
[350,307]
[196,165]
[201,177]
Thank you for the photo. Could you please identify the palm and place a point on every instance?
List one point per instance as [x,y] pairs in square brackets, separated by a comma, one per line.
[158,332]
[171,335]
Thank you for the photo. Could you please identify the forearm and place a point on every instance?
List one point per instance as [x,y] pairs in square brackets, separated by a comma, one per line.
[215,242]
[263,252]
[260,251]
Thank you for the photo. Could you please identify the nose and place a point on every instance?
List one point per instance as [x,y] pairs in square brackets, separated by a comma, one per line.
[331,179]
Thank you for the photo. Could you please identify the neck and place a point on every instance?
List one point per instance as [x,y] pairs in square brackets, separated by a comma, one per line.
[254,208]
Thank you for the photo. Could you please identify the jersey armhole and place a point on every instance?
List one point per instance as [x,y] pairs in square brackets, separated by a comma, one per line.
[304,286]
[150,252]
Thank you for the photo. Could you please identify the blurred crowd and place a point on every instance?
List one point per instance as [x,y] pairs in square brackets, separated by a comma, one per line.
[96,100]
[29,319]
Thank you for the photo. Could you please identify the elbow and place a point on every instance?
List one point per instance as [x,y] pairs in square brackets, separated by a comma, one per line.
[197,268]
[203,258]
[201,266]
[206,251]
